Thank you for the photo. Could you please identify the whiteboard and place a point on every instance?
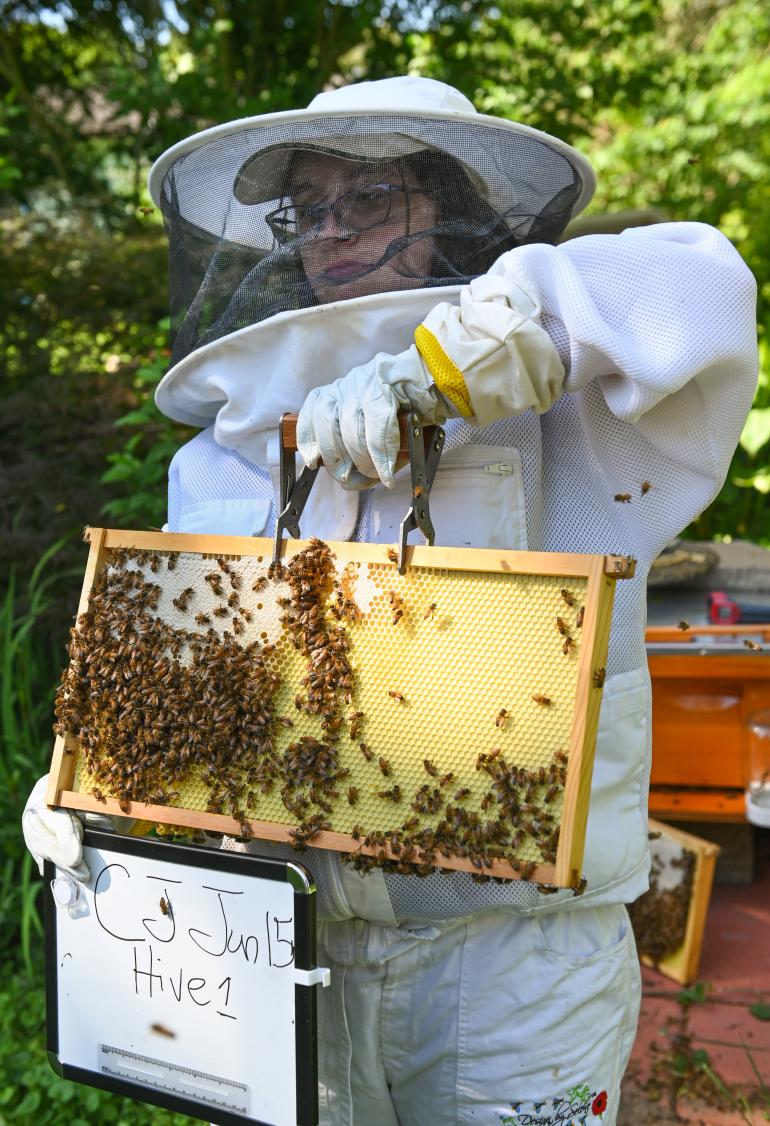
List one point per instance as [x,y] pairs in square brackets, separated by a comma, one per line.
[182,976]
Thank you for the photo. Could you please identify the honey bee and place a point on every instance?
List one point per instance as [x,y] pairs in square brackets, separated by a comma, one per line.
[238,626]
[357,832]
[183,600]
[171,560]
[645,487]
[352,795]
[214,579]
[430,767]
[203,619]
[98,795]
[417,491]
[568,597]
[393,794]
[567,646]
[579,617]
[550,794]
[562,627]
[502,716]
[159,1029]
[397,616]
[752,645]
[392,555]
[260,583]
[599,677]
[431,610]
[622,498]
[462,793]
[683,625]
[561,756]
[233,599]
[165,906]
[397,696]
[445,779]
[540,699]
[385,767]
[366,751]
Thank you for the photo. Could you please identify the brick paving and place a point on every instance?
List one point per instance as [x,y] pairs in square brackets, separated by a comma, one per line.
[708,1062]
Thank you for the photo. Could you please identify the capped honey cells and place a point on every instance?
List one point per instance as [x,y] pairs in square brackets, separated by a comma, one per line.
[423,719]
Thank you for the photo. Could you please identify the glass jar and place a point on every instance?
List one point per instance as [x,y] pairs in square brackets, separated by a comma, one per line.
[756,767]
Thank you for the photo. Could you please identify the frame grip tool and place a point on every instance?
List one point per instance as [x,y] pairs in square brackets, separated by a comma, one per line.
[420,443]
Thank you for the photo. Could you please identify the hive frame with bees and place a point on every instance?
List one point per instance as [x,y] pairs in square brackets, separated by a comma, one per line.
[459,649]
[682,870]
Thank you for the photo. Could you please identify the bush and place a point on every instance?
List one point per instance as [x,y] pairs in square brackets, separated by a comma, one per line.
[30,1090]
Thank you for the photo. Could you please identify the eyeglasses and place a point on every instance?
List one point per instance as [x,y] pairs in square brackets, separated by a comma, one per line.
[360,209]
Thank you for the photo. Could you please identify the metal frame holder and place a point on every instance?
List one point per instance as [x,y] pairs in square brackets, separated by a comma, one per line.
[424,445]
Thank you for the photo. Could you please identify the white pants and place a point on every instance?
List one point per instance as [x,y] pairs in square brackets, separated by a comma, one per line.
[498,1019]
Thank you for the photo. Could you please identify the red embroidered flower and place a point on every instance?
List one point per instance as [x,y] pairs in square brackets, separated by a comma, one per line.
[599,1105]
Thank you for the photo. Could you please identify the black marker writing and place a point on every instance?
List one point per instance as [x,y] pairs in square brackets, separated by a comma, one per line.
[151,977]
[102,924]
[225,944]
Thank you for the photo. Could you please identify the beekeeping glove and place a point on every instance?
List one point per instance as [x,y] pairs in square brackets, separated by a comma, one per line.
[484,359]
[352,425]
[489,355]
[53,834]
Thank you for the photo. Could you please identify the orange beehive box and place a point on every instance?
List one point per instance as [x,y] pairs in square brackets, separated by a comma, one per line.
[706,680]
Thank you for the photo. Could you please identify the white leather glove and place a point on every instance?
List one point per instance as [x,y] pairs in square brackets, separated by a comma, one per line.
[352,426]
[53,834]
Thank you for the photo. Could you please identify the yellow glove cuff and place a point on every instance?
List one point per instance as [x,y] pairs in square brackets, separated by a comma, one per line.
[446,375]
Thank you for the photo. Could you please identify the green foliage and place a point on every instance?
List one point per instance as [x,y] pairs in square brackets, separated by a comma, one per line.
[695,994]
[140,466]
[29,668]
[30,1091]
[760,1010]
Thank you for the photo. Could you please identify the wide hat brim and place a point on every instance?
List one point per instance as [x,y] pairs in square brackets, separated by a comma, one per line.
[514,164]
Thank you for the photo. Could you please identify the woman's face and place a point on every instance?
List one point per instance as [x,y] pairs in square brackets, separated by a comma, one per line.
[348,214]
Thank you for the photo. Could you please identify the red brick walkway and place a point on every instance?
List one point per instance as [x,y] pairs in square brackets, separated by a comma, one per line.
[698,1062]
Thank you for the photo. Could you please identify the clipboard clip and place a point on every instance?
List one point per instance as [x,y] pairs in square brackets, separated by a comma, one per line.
[319,975]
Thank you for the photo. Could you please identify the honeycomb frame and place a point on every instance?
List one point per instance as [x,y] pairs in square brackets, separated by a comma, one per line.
[500,613]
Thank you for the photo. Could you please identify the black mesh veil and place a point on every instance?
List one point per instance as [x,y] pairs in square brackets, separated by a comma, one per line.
[271,218]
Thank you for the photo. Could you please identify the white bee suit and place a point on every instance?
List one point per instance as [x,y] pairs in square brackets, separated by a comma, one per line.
[516,998]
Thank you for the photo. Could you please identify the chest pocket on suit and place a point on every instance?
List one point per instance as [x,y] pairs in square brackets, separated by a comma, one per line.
[237,517]
[477,499]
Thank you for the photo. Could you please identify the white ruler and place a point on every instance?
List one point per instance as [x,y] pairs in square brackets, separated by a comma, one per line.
[188,1082]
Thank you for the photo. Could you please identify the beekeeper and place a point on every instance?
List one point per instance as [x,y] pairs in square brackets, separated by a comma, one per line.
[391,248]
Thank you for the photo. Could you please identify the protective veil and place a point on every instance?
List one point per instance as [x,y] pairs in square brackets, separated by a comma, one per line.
[432,191]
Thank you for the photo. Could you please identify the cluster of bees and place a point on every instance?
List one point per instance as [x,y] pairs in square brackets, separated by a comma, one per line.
[153,705]
[520,803]
[659,917]
[143,718]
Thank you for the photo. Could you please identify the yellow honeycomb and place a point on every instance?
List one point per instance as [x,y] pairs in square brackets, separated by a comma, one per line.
[448,664]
